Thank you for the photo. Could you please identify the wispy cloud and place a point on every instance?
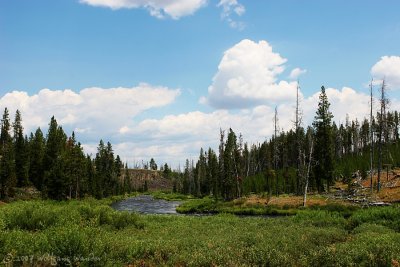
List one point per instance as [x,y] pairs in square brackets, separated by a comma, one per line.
[231,10]
[157,8]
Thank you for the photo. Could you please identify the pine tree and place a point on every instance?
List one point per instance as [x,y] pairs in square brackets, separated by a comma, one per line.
[212,172]
[90,185]
[7,161]
[230,168]
[323,149]
[186,186]
[36,154]
[203,184]
[75,166]
[153,164]
[55,184]
[20,150]
[127,180]
[221,165]
[166,171]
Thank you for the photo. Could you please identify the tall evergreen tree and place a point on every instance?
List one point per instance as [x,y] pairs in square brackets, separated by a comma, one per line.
[230,167]
[323,150]
[74,167]
[212,172]
[20,150]
[36,155]
[7,161]
[55,184]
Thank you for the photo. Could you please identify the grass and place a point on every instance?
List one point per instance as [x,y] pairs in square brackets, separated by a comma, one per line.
[238,207]
[90,233]
[170,196]
[259,205]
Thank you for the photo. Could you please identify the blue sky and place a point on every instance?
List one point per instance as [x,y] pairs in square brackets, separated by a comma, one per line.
[178,47]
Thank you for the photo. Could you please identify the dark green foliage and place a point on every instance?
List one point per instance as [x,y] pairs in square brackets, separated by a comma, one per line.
[107,170]
[7,160]
[166,171]
[20,152]
[54,180]
[153,164]
[37,145]
[56,164]
[323,149]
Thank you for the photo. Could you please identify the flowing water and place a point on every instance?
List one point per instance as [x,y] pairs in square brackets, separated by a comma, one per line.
[147,204]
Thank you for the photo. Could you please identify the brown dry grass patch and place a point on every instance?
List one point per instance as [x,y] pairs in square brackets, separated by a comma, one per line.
[287,201]
[389,194]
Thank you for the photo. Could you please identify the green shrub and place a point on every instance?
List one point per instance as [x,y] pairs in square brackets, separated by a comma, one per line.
[369,228]
[319,218]
[29,216]
[386,216]
[124,219]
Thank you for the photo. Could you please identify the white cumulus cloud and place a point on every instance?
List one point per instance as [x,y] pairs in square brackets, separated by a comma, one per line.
[157,8]
[92,112]
[388,68]
[247,76]
[296,73]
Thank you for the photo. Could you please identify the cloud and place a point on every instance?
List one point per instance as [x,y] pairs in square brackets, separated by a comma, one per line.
[248,76]
[92,112]
[340,101]
[231,8]
[112,114]
[175,9]
[296,73]
[388,68]
[185,133]
[157,8]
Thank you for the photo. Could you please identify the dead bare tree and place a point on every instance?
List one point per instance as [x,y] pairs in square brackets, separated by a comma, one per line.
[275,157]
[381,131]
[308,170]
[297,124]
[371,136]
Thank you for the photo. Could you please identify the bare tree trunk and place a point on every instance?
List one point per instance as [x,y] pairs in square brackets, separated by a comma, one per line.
[308,173]
[276,149]
[371,141]
[382,116]
[298,142]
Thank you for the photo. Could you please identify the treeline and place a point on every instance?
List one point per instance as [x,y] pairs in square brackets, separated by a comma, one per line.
[56,164]
[279,165]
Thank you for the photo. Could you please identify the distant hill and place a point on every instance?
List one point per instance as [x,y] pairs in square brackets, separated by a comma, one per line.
[155,180]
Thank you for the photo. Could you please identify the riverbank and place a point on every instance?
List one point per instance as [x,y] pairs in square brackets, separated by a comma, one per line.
[284,205]
[91,233]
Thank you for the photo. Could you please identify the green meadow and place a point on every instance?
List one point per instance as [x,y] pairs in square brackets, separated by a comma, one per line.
[91,233]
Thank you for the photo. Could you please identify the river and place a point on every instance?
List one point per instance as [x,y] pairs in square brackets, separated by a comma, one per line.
[146,204]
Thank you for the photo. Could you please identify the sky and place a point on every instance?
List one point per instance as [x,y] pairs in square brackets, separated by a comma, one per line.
[160,78]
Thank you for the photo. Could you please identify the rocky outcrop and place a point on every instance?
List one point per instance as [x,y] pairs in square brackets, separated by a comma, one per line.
[154,179]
